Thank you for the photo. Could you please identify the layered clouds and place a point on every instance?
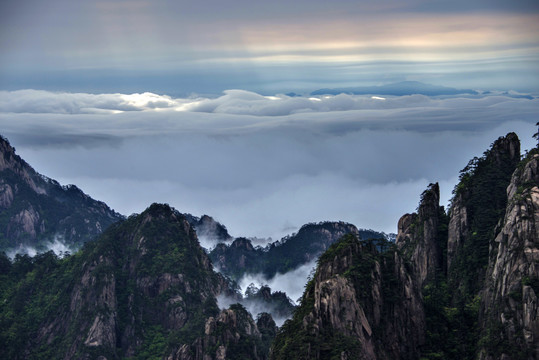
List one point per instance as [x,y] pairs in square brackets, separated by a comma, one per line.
[185,46]
[261,165]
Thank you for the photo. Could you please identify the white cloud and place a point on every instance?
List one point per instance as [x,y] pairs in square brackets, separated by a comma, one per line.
[236,102]
[261,174]
[292,283]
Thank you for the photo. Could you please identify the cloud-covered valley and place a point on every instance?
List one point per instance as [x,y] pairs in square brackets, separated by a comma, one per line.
[261,165]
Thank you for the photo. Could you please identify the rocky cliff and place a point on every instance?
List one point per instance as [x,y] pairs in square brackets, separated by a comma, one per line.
[422,236]
[510,306]
[478,205]
[35,209]
[361,304]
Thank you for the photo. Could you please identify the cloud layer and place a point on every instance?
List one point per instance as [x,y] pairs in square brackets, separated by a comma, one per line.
[237,102]
[260,164]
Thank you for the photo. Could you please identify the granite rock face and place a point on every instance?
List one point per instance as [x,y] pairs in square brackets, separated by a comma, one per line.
[419,236]
[510,307]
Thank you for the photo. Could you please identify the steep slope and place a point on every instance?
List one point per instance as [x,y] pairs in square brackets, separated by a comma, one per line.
[144,289]
[422,236]
[468,309]
[478,205]
[35,209]
[287,254]
[361,304]
[510,307]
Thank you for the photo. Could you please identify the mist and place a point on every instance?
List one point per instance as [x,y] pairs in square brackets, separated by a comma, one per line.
[58,246]
[292,283]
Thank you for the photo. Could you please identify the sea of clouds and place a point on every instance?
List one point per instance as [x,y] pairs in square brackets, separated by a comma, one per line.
[261,165]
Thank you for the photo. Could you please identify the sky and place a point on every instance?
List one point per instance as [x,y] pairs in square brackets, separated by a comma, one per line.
[184,102]
[206,47]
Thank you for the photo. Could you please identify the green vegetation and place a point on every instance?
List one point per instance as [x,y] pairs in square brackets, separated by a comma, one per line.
[533,282]
[452,329]
[495,343]
[33,291]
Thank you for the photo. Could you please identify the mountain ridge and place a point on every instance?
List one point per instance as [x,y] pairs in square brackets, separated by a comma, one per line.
[397,89]
[35,209]
[292,251]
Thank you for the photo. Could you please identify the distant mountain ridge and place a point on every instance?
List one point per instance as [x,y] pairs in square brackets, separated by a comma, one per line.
[207,227]
[397,89]
[35,209]
[241,257]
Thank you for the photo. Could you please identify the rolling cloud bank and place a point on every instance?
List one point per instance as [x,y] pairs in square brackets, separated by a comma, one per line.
[261,165]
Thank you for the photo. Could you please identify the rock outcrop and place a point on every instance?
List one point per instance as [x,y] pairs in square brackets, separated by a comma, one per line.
[463,285]
[237,258]
[510,306]
[35,209]
[421,236]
